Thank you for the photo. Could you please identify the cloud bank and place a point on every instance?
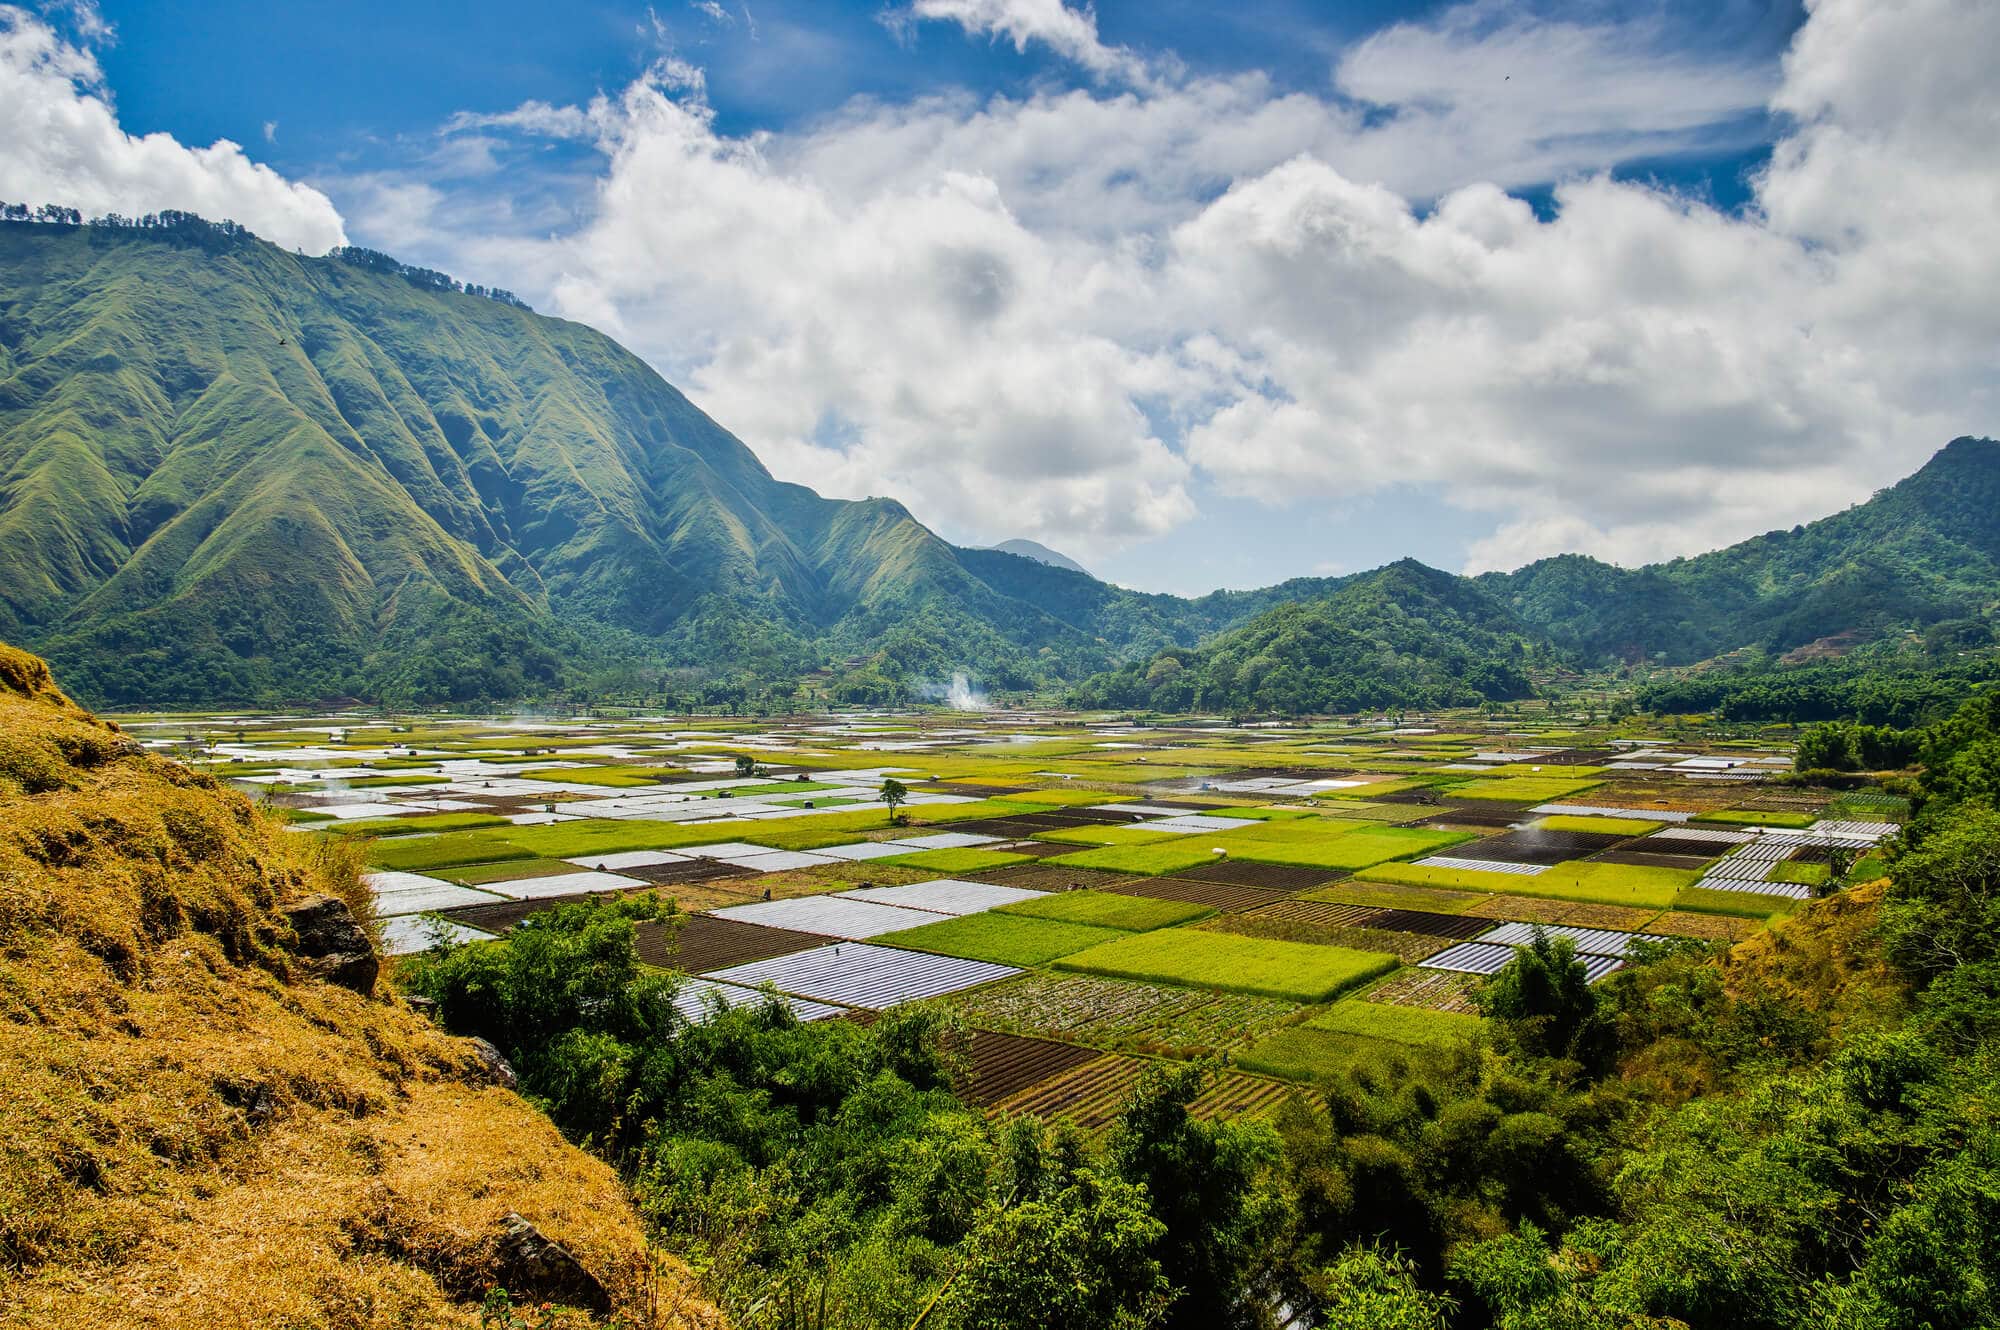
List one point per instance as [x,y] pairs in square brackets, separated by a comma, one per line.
[1053,315]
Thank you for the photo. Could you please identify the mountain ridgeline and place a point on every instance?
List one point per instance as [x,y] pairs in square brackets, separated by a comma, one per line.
[229,473]
[1919,560]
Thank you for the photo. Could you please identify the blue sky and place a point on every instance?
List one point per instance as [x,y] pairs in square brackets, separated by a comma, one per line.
[341,84]
[1203,295]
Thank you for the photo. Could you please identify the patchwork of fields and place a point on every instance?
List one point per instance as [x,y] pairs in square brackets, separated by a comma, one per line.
[1087,894]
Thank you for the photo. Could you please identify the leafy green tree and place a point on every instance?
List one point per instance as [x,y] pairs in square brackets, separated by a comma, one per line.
[1543,1004]
[1369,1288]
[1071,1248]
[1205,1183]
[1943,908]
[894,793]
[1520,1281]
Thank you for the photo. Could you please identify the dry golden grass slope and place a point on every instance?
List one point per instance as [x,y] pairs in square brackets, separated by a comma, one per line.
[195,1131]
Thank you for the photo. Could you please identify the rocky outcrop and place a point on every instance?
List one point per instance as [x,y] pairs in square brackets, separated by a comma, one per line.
[333,944]
[499,1071]
[533,1268]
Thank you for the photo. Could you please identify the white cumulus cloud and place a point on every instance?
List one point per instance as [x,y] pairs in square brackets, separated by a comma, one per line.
[1061,315]
[60,142]
[1070,33]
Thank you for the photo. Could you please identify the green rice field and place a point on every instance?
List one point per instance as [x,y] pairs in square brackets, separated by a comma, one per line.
[1297,971]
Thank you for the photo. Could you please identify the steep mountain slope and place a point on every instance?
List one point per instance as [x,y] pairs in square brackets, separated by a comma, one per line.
[199,1129]
[1404,635]
[229,471]
[1924,551]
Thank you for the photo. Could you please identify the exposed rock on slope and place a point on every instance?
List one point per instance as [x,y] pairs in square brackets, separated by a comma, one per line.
[200,1130]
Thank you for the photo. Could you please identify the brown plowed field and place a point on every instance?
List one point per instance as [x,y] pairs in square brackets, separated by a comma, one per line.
[1235,1095]
[999,1065]
[1034,849]
[1037,877]
[704,942]
[1707,927]
[1323,913]
[691,870]
[1431,925]
[1547,848]
[1471,817]
[1271,877]
[1091,1095]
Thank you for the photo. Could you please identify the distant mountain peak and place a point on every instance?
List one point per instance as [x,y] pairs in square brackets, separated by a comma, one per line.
[1040,553]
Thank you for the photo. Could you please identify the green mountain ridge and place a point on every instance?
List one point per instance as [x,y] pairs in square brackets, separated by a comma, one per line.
[1921,552]
[229,473]
[1403,635]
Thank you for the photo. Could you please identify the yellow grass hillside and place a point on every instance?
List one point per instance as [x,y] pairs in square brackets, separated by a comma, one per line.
[198,1129]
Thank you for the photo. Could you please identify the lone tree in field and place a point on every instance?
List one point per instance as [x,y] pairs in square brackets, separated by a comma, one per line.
[893,793]
[746,767]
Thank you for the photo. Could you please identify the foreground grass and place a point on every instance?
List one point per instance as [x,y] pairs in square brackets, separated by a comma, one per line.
[195,1130]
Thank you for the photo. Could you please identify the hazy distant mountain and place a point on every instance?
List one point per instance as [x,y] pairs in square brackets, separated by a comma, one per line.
[1040,553]
[230,473]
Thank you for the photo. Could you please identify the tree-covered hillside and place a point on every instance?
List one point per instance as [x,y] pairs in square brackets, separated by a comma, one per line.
[1405,635]
[1923,552]
[229,473]
[1912,576]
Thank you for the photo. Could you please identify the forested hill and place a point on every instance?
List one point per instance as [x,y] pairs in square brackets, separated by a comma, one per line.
[1922,556]
[1923,552]
[1404,635]
[228,472]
